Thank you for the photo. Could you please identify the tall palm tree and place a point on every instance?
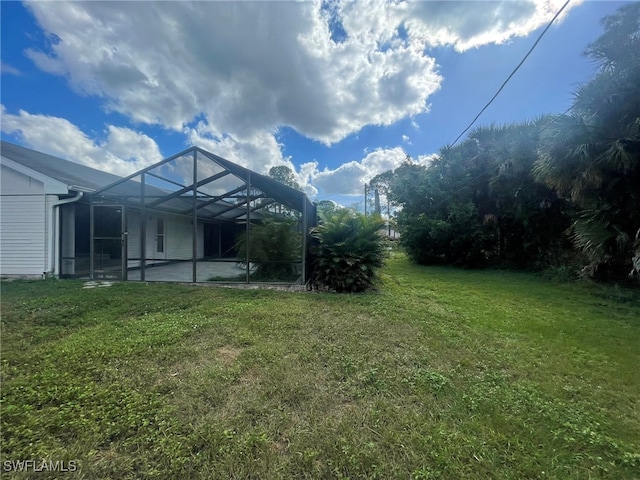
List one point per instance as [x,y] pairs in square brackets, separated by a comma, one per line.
[592,155]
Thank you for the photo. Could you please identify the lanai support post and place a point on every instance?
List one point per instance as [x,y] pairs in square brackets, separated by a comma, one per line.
[143,227]
[305,227]
[194,256]
[125,240]
[91,240]
[248,231]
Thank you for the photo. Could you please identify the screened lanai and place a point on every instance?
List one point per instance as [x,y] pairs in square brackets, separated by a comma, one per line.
[197,217]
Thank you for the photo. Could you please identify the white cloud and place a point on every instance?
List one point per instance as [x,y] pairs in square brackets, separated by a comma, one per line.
[471,24]
[122,152]
[251,67]
[229,74]
[349,178]
[5,68]
[258,151]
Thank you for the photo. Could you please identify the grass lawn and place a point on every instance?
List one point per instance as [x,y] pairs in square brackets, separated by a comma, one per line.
[441,374]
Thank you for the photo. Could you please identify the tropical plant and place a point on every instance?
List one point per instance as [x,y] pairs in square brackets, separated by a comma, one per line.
[347,250]
[274,248]
[592,155]
[477,204]
[508,195]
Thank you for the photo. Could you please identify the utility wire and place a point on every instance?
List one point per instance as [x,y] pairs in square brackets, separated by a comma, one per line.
[535,44]
[415,181]
[512,73]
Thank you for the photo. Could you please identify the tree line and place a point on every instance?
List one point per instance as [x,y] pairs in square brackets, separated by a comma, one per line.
[560,191]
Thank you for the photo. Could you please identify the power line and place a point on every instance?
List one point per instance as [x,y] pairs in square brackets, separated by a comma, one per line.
[535,44]
[512,73]
[480,175]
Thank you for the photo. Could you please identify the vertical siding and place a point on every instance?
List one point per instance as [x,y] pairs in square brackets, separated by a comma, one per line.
[22,234]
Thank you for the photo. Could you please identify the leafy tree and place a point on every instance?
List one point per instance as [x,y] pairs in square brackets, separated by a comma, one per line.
[381,183]
[285,175]
[507,194]
[327,207]
[348,250]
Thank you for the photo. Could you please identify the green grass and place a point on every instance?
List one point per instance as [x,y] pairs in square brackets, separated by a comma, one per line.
[443,373]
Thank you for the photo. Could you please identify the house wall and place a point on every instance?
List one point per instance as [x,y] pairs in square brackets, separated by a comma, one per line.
[22,225]
[177,237]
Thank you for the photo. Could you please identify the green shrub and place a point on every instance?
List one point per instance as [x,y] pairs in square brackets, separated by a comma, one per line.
[275,248]
[347,250]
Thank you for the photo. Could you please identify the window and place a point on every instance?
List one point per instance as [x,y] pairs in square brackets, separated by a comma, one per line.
[160,235]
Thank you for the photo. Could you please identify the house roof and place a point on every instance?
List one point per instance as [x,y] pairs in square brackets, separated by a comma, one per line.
[229,206]
[74,175]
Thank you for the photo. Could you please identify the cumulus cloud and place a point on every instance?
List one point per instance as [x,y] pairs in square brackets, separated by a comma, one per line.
[227,75]
[349,178]
[263,65]
[122,152]
[258,151]
[250,67]
[461,24]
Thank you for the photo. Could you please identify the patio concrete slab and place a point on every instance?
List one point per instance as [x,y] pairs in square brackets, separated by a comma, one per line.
[182,272]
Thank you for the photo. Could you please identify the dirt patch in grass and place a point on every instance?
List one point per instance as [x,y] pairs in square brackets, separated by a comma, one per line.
[228,354]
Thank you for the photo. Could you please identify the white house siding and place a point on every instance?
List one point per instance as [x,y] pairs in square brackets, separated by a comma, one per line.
[22,235]
[22,225]
[177,238]
[15,183]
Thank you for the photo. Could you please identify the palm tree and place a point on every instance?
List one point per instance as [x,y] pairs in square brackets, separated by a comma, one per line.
[348,249]
[592,155]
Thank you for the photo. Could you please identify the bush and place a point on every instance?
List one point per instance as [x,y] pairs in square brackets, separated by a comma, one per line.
[275,248]
[456,238]
[348,248]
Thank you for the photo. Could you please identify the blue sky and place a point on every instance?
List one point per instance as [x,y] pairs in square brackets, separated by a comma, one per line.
[338,91]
